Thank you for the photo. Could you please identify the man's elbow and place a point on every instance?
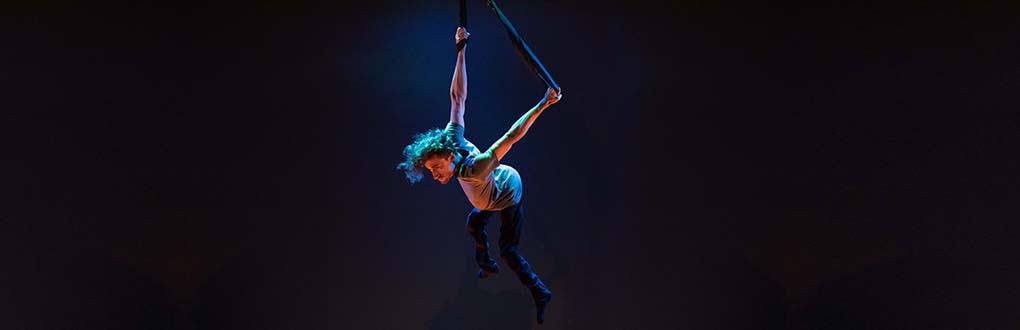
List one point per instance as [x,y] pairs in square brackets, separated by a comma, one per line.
[458,97]
[512,137]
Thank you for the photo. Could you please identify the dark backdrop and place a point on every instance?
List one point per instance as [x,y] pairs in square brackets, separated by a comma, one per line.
[713,165]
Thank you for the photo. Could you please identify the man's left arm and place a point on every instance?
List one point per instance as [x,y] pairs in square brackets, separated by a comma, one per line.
[520,127]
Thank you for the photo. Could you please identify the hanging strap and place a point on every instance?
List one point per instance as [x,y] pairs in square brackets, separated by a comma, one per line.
[522,49]
[463,23]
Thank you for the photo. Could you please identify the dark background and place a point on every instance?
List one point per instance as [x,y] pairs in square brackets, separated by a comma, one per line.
[713,165]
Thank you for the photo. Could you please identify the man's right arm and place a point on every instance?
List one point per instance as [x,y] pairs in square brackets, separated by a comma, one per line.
[458,88]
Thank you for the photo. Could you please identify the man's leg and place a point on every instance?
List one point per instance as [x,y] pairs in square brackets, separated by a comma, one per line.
[509,239]
[476,222]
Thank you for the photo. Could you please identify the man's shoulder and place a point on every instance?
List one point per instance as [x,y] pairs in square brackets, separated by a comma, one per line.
[466,167]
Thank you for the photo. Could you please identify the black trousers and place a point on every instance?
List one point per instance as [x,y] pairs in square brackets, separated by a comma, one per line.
[509,239]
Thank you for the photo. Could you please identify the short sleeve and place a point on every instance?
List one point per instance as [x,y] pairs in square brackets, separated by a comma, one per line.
[456,131]
[479,166]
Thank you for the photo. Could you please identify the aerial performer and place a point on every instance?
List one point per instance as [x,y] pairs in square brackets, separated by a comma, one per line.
[491,187]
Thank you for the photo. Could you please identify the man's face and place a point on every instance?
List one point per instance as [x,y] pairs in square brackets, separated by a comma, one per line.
[441,167]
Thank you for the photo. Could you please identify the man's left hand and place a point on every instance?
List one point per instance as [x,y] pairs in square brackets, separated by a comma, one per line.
[552,96]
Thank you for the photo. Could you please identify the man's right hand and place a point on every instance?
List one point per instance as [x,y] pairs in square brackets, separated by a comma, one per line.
[461,34]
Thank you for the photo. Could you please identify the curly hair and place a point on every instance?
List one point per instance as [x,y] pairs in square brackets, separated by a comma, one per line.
[425,145]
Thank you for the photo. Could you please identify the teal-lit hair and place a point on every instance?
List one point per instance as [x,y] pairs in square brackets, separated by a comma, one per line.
[430,143]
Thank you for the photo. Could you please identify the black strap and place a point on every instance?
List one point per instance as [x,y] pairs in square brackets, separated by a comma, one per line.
[463,23]
[522,49]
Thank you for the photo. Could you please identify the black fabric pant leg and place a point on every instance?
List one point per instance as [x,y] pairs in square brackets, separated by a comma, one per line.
[476,221]
[509,239]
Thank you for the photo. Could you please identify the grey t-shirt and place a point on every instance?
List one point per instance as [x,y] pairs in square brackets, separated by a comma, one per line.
[488,185]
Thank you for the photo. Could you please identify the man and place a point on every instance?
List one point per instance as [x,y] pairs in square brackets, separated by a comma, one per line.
[490,186]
